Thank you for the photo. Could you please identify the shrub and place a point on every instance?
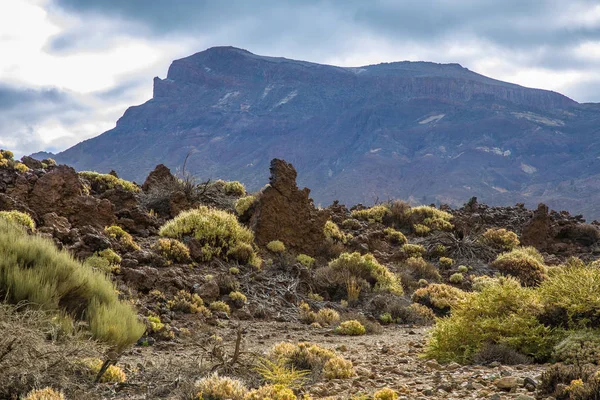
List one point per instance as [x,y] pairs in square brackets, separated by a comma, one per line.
[305,260]
[6,155]
[187,302]
[215,387]
[32,269]
[413,250]
[234,188]
[243,253]
[463,269]
[373,214]
[501,353]
[338,368]
[421,230]
[44,394]
[278,373]
[524,263]
[351,328]
[579,348]
[172,249]
[124,238]
[395,236]
[456,278]
[446,262]
[386,318]
[234,270]
[276,246]
[421,269]
[22,168]
[556,379]
[100,264]
[110,255]
[327,316]
[218,231]
[271,392]
[573,292]
[385,394]
[351,223]
[333,232]
[19,218]
[243,204]
[103,182]
[500,238]
[113,374]
[315,296]
[367,267]
[238,298]
[441,298]
[431,217]
[502,313]
[219,306]
[399,213]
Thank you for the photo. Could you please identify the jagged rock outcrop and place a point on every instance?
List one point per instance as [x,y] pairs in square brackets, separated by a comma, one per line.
[283,212]
[538,232]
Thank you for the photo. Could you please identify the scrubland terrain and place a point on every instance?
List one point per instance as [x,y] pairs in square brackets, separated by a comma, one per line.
[178,289]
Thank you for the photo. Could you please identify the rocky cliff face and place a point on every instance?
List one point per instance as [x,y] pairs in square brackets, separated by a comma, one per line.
[420,131]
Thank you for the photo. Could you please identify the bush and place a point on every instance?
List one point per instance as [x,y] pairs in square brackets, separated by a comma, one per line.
[351,328]
[502,313]
[271,392]
[187,302]
[463,269]
[579,348]
[103,182]
[32,269]
[243,204]
[441,298]
[366,267]
[373,214]
[219,306]
[524,263]
[172,249]
[100,264]
[218,231]
[113,374]
[338,368]
[124,238]
[238,298]
[414,270]
[385,394]
[395,236]
[309,356]
[215,387]
[234,188]
[431,218]
[446,262]
[44,394]
[276,246]
[557,379]
[351,223]
[500,238]
[19,218]
[243,253]
[413,250]
[456,278]
[573,292]
[110,255]
[278,373]
[500,353]
[421,230]
[333,232]
[305,260]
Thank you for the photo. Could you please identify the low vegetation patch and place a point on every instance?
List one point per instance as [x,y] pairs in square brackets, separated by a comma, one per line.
[243,204]
[500,238]
[234,188]
[350,328]
[102,182]
[19,218]
[441,298]
[314,358]
[173,250]
[215,387]
[373,214]
[334,233]
[430,218]
[524,263]
[276,246]
[366,267]
[124,238]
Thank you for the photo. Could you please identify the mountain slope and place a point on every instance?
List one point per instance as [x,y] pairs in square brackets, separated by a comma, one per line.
[424,131]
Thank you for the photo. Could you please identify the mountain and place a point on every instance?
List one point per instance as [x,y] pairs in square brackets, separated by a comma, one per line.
[415,130]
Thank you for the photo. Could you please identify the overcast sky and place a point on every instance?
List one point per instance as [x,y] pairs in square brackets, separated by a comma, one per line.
[70,68]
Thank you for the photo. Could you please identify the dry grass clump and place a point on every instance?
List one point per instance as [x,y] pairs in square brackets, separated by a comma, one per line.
[456,278]
[276,246]
[218,231]
[103,182]
[46,393]
[32,269]
[271,392]
[395,236]
[441,298]
[123,237]
[446,262]
[278,373]
[524,263]
[373,214]
[309,356]
[173,250]
[113,374]
[234,188]
[243,204]
[215,387]
[502,313]
[338,368]
[350,328]
[500,238]
[324,317]
[19,218]
[101,264]
[366,267]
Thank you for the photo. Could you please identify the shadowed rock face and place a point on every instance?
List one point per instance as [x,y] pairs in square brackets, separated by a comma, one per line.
[420,131]
[283,212]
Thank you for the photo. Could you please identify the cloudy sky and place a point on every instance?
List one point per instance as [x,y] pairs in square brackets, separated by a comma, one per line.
[70,68]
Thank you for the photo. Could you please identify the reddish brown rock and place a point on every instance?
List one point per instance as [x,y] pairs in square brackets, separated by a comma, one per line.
[160,176]
[538,232]
[283,212]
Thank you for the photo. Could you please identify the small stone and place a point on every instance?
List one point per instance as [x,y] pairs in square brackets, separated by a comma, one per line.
[508,383]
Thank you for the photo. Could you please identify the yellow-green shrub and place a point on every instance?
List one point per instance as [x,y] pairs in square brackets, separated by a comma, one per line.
[421,230]
[446,262]
[220,306]
[113,374]
[243,204]
[333,232]
[124,238]
[187,302]
[440,297]
[500,238]
[502,313]
[32,269]
[430,217]
[218,231]
[385,394]
[305,260]
[524,263]
[327,316]
[395,236]
[309,356]
[172,249]
[44,394]
[278,373]
[100,264]
[215,387]
[580,348]
[238,298]
[350,328]
[102,182]
[456,278]
[110,255]
[276,246]
[234,188]
[271,392]
[21,167]
[19,218]
[413,250]
[367,267]
[418,268]
[338,368]
[373,214]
